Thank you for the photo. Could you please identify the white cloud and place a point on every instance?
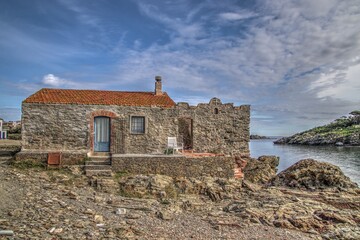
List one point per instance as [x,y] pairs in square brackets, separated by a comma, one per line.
[50,80]
[340,84]
[53,80]
[82,13]
[294,60]
[179,27]
[236,16]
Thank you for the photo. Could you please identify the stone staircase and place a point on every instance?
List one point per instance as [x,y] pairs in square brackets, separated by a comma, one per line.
[98,165]
[5,159]
[7,152]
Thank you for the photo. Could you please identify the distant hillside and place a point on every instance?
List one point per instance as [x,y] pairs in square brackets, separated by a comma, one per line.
[345,130]
[255,136]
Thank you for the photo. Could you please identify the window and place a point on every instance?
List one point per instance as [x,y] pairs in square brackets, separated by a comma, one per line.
[137,124]
[216,111]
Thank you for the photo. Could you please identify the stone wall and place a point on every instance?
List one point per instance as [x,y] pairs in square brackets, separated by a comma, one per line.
[67,158]
[174,166]
[217,127]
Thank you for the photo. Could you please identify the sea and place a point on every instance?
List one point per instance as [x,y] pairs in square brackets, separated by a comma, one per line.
[345,157]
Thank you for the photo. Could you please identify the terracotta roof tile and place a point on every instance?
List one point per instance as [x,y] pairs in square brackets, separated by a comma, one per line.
[99,97]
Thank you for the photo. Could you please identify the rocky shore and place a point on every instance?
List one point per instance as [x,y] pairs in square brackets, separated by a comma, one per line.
[64,204]
[342,131]
[311,138]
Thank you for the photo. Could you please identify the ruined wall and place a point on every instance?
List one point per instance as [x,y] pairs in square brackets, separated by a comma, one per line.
[217,127]
[175,166]
[56,127]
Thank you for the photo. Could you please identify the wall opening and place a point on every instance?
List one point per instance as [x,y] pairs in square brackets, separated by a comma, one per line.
[102,134]
[186,132]
[216,111]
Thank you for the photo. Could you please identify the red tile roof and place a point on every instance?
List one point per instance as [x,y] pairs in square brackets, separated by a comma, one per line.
[99,97]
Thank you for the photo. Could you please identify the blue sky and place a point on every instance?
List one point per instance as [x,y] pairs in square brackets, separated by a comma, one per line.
[297,63]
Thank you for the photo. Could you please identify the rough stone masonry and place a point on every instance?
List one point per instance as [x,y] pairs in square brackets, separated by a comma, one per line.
[59,127]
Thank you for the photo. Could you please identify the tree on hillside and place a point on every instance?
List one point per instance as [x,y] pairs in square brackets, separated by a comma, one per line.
[355,113]
[355,116]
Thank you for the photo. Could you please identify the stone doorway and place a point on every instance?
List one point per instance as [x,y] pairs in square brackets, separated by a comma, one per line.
[186,132]
[101,134]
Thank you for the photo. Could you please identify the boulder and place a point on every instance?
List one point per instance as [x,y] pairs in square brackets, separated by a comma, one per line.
[312,174]
[261,170]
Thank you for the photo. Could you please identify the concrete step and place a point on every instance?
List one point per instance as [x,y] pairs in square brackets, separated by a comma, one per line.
[98,162]
[97,167]
[99,154]
[99,157]
[105,173]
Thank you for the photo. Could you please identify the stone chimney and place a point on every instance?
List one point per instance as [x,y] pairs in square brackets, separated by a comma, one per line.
[158,87]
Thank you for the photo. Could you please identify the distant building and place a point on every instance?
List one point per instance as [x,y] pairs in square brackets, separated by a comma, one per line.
[11,124]
[3,134]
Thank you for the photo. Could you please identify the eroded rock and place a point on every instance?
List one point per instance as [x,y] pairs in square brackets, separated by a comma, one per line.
[312,174]
[167,187]
[261,170]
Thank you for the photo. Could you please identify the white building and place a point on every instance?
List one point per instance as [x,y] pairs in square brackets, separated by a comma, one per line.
[3,134]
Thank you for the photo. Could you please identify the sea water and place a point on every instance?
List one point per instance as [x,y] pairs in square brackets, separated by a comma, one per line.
[347,158]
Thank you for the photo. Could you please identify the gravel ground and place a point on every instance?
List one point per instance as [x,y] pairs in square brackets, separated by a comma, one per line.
[38,204]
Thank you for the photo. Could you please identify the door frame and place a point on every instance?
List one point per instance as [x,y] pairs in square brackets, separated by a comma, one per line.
[109,133]
[190,140]
[100,113]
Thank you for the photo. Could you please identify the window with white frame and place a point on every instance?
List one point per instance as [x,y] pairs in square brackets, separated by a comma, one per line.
[137,124]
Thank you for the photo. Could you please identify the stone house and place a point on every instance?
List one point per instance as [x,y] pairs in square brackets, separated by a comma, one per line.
[115,122]
[3,133]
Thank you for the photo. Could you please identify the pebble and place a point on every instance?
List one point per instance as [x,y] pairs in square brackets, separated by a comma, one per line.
[121,211]
[98,218]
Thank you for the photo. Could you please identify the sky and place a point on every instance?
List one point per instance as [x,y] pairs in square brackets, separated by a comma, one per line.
[297,63]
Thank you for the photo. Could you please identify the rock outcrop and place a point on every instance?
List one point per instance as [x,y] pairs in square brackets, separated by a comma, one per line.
[162,186]
[261,170]
[312,174]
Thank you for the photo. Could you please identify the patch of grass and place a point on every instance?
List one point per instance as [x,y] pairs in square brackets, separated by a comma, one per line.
[28,164]
[129,193]
[165,201]
[169,151]
[14,136]
[85,159]
[121,174]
